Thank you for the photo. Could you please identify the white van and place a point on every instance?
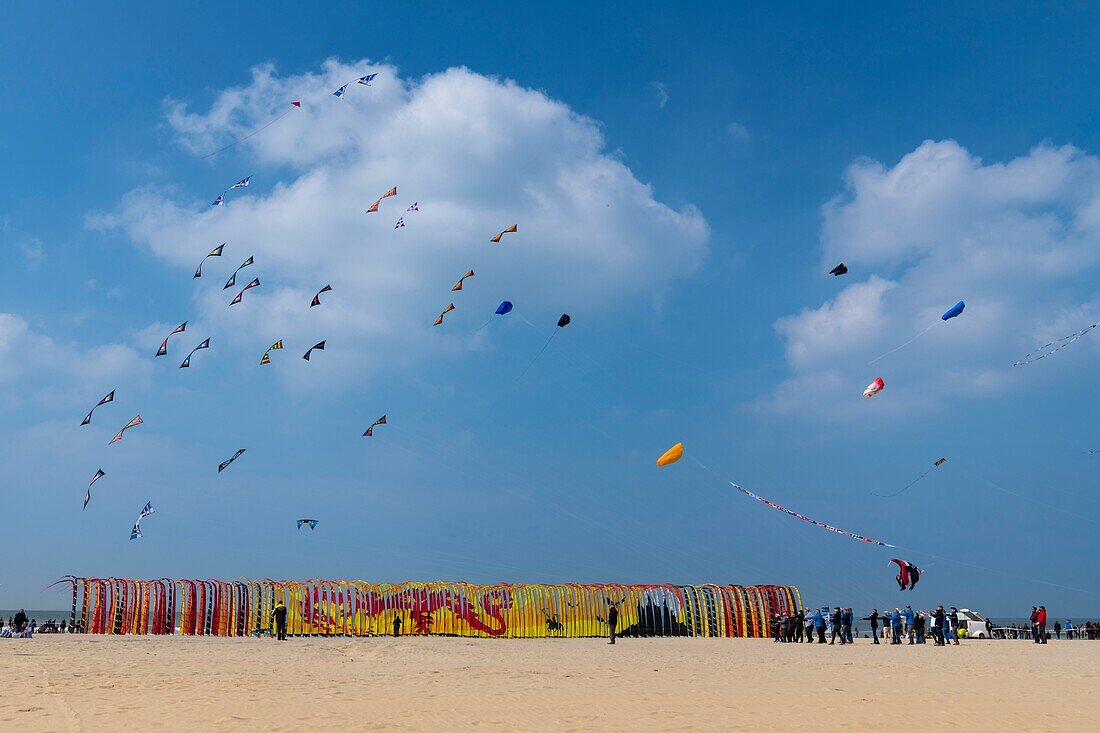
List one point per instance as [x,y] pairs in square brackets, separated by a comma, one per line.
[974,623]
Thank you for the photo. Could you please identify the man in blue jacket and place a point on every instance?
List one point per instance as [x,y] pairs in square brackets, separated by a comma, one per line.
[895,626]
[907,614]
[846,619]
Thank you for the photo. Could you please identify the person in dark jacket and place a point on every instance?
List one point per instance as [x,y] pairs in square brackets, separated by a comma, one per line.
[279,614]
[937,625]
[612,620]
[846,619]
[20,621]
[873,618]
[953,620]
[800,625]
[1057,629]
[1031,621]
[397,623]
[918,627]
[838,626]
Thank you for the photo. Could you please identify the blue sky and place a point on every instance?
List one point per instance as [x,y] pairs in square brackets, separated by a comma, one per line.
[682,181]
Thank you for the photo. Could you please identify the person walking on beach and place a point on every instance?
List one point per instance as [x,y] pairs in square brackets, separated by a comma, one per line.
[397,622]
[279,614]
[612,621]
[873,618]
[1041,625]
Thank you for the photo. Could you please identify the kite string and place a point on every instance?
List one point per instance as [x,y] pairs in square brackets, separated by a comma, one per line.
[911,483]
[543,349]
[899,348]
[237,141]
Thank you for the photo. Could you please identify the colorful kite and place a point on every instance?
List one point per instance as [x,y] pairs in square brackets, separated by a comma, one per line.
[952,312]
[1062,343]
[804,518]
[317,298]
[364,80]
[839,270]
[187,362]
[874,387]
[320,346]
[446,310]
[88,493]
[240,295]
[164,344]
[145,511]
[133,423]
[908,574]
[266,358]
[510,230]
[109,398]
[216,252]
[225,464]
[311,522]
[458,285]
[293,106]
[939,462]
[564,321]
[671,455]
[233,278]
[369,432]
[374,207]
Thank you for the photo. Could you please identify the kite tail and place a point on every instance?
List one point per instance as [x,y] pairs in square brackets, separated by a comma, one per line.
[906,488]
[899,348]
[543,349]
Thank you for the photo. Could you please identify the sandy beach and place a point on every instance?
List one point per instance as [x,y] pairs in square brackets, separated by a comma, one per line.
[67,683]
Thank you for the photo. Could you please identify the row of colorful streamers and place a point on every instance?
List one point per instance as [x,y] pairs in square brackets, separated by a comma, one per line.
[357,608]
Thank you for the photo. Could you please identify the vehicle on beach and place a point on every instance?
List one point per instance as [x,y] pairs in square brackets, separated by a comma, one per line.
[974,623]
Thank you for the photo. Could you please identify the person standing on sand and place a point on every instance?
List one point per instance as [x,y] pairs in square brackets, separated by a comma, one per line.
[612,621]
[1057,630]
[279,615]
[895,626]
[819,624]
[907,615]
[953,619]
[937,625]
[800,625]
[873,618]
[846,619]
[397,625]
[1041,625]
[1031,621]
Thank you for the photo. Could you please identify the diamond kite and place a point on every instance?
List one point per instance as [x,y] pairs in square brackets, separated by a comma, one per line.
[187,362]
[874,387]
[804,518]
[266,358]
[240,295]
[293,106]
[839,270]
[374,207]
[233,278]
[109,398]
[510,230]
[671,455]
[164,344]
[369,432]
[145,511]
[458,285]
[320,346]
[133,423]
[311,522]
[317,298]
[216,252]
[225,464]
[446,310]
[908,574]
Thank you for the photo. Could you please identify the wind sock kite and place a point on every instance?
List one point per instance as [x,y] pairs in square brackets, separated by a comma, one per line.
[458,285]
[874,387]
[317,298]
[233,278]
[133,423]
[804,518]
[240,295]
[671,455]
[939,462]
[908,574]
[564,321]
[88,494]
[164,344]
[448,309]
[187,362]
[952,312]
[839,270]
[216,252]
[148,509]
[225,464]
[266,358]
[369,432]
[510,230]
[311,522]
[293,106]
[109,398]
[1063,342]
[319,346]
[374,207]
[364,80]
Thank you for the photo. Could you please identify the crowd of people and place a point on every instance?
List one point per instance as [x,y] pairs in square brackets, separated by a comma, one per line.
[21,626]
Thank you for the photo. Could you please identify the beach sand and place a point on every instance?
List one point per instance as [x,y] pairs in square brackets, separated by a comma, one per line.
[74,683]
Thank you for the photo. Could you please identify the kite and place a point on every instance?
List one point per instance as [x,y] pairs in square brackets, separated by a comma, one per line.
[320,345]
[908,574]
[216,252]
[369,432]
[446,310]
[937,464]
[839,270]
[510,230]
[133,423]
[458,285]
[504,308]
[364,80]
[109,398]
[266,358]
[225,464]
[415,207]
[243,183]
[952,312]
[374,207]
[219,201]
[164,344]
[317,298]
[671,455]
[564,321]
[311,522]
[293,106]
[1028,358]
[233,278]
[100,473]
[400,223]
[187,362]
[874,387]
[148,509]
[804,518]
[87,498]
[88,493]
[240,295]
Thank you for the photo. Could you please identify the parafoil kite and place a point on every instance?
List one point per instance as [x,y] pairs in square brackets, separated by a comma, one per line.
[458,285]
[266,358]
[237,298]
[233,278]
[133,423]
[109,398]
[446,310]
[374,207]
[88,493]
[369,432]
[874,387]
[671,455]
[319,346]
[225,464]
[187,362]
[1062,343]
[317,298]
[311,522]
[146,511]
[839,270]
[804,518]
[939,462]
[364,80]
[953,311]
[216,252]
[950,313]
[293,106]
[510,230]
[564,321]
[504,308]
[164,344]
[908,574]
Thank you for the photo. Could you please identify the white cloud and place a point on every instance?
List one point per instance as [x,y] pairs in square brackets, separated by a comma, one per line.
[661,91]
[1015,240]
[737,131]
[477,153]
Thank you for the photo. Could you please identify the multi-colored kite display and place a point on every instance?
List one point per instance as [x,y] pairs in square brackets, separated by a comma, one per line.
[458,285]
[266,358]
[225,464]
[239,296]
[939,462]
[311,522]
[133,423]
[187,362]
[874,387]
[804,518]
[839,270]
[1041,353]
[369,432]
[510,230]
[671,455]
[164,344]
[448,309]
[319,346]
[317,298]
[952,312]
[109,398]
[145,511]
[293,106]
[364,80]
[100,473]
[908,574]
[216,252]
[374,207]
[233,278]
